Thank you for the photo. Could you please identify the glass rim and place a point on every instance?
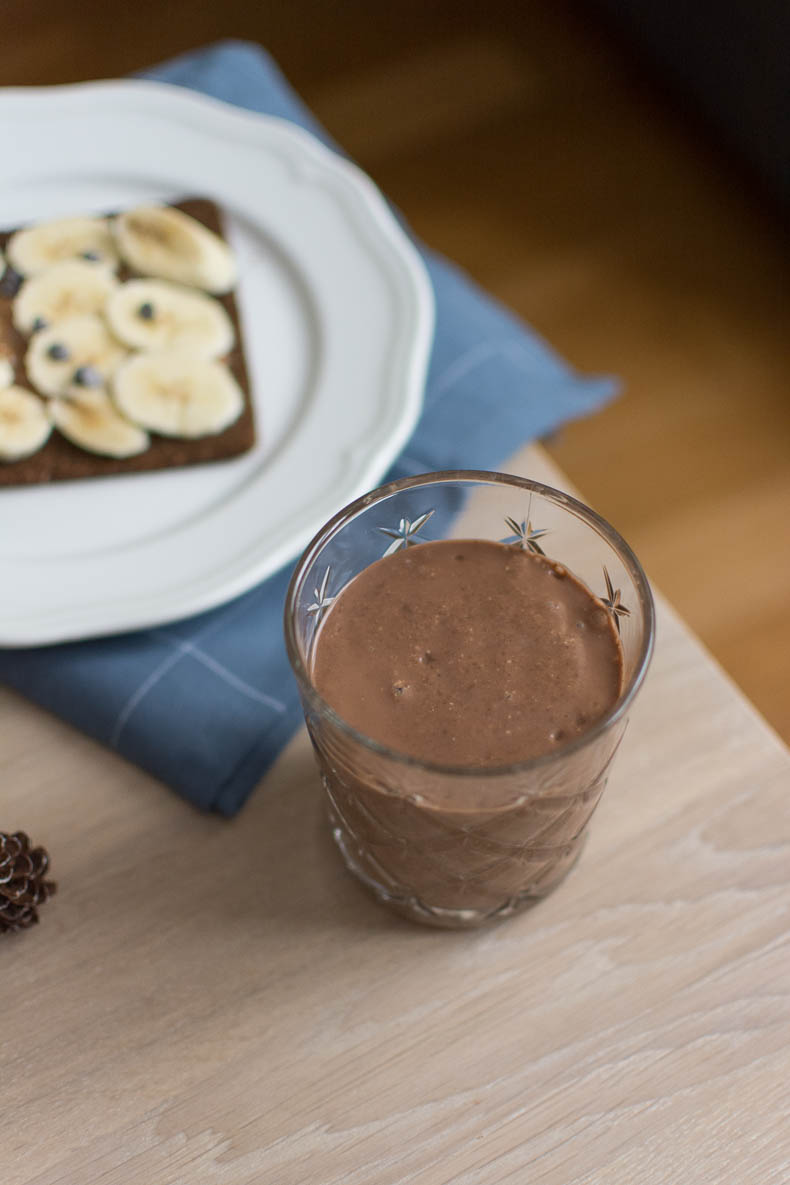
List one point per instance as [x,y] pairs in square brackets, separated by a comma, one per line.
[472,477]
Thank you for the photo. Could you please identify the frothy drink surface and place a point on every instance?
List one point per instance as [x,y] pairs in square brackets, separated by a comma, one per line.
[468,652]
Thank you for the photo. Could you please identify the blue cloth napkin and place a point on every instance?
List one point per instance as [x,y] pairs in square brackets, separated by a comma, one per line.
[206,704]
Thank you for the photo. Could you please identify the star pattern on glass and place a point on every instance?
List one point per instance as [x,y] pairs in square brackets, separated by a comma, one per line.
[322,601]
[612,600]
[404,534]
[525,535]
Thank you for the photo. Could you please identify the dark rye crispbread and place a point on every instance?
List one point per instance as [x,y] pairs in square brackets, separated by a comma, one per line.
[60,460]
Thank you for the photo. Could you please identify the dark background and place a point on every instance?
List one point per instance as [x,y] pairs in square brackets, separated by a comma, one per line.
[615,172]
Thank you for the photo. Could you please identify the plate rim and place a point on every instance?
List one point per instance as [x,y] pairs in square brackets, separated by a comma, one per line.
[72,623]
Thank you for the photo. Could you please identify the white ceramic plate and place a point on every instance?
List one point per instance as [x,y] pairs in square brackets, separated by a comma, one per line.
[337,314]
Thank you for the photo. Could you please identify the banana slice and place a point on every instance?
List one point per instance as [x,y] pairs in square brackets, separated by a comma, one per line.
[66,289]
[36,248]
[72,357]
[155,314]
[175,394]
[161,241]
[93,422]
[24,424]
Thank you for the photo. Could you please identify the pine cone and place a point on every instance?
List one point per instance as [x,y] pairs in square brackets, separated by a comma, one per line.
[22,884]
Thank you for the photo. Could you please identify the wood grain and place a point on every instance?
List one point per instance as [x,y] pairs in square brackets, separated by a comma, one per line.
[218,1003]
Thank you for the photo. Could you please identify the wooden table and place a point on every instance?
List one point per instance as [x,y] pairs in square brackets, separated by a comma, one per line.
[215,1003]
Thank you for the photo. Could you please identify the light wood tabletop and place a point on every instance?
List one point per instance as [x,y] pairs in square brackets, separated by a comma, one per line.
[218,1003]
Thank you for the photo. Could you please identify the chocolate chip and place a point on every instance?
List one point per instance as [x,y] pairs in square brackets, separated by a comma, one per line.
[58,352]
[91,256]
[146,311]
[88,376]
[10,282]
[39,324]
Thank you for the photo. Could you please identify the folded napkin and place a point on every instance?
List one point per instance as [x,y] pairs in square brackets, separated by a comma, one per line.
[206,704]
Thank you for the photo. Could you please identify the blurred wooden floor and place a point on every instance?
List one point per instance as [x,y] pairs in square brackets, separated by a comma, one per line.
[523,142]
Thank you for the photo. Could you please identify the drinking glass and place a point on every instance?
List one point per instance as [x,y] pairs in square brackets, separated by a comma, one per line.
[449,845]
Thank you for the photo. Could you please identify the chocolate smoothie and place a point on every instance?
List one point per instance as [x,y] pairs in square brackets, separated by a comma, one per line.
[470,654]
